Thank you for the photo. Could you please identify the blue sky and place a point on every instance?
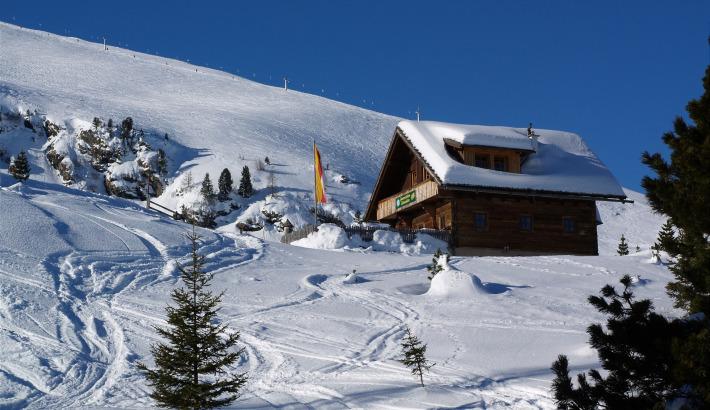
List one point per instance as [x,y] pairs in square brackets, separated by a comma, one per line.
[615,72]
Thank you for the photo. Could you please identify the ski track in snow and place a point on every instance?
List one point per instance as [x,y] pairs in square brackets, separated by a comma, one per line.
[83,327]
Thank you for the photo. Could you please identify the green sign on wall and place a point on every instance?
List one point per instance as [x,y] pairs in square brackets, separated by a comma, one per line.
[406,199]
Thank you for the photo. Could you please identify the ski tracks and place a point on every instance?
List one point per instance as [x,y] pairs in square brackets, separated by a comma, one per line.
[86,285]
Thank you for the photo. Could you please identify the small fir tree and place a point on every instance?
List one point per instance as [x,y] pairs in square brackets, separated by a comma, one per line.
[162,162]
[436,265]
[187,182]
[357,218]
[206,216]
[666,238]
[224,184]
[635,351]
[272,185]
[20,167]
[207,189]
[623,248]
[267,161]
[414,355]
[245,188]
[127,130]
[193,367]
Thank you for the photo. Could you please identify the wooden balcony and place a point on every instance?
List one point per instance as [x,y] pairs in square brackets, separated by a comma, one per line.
[406,199]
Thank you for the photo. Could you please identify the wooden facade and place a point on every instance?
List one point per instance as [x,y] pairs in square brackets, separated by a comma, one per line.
[482,222]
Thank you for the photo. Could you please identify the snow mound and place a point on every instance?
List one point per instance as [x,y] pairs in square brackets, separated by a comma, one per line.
[353,279]
[328,236]
[452,282]
[333,237]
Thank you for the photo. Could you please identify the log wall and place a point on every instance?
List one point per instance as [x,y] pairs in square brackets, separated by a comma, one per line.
[503,224]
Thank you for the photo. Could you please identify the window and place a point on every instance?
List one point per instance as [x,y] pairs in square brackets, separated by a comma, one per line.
[526,223]
[483,161]
[480,221]
[500,164]
[442,221]
[568,224]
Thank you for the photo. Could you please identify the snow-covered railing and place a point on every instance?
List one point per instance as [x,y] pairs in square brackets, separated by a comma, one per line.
[162,209]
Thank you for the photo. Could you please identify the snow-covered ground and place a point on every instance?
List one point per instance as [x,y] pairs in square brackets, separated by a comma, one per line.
[85,277]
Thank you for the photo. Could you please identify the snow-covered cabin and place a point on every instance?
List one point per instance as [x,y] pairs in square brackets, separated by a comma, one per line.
[497,189]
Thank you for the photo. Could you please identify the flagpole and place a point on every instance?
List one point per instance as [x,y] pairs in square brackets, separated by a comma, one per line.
[315,186]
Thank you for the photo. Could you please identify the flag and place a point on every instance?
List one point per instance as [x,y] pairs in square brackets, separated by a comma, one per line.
[318,171]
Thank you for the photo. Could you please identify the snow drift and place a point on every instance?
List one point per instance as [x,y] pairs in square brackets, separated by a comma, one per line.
[333,237]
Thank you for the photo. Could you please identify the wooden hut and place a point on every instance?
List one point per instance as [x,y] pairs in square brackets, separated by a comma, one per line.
[499,190]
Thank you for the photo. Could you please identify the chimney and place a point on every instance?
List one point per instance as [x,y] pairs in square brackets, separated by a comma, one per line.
[533,137]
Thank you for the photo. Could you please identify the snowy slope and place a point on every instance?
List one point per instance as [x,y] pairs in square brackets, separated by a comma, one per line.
[222,120]
[636,221]
[84,277]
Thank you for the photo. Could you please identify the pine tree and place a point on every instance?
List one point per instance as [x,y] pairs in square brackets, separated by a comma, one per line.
[224,184]
[162,162]
[187,182]
[245,189]
[623,248]
[272,184]
[127,130]
[681,191]
[666,238]
[20,167]
[357,218]
[267,161]
[635,351]
[192,368]
[414,355]
[435,266]
[207,189]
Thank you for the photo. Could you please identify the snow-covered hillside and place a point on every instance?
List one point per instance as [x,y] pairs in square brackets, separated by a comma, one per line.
[219,120]
[84,277]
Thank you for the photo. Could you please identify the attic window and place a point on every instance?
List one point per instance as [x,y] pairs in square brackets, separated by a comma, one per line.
[482,161]
[500,164]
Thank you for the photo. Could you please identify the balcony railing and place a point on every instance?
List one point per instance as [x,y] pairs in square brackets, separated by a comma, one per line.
[406,199]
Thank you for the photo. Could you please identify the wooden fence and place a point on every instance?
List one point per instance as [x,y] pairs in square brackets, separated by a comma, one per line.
[162,209]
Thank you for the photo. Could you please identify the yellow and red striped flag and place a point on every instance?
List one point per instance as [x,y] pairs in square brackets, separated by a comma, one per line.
[318,171]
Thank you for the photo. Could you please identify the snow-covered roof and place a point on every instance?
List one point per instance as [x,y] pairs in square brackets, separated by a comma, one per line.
[483,135]
[562,162]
